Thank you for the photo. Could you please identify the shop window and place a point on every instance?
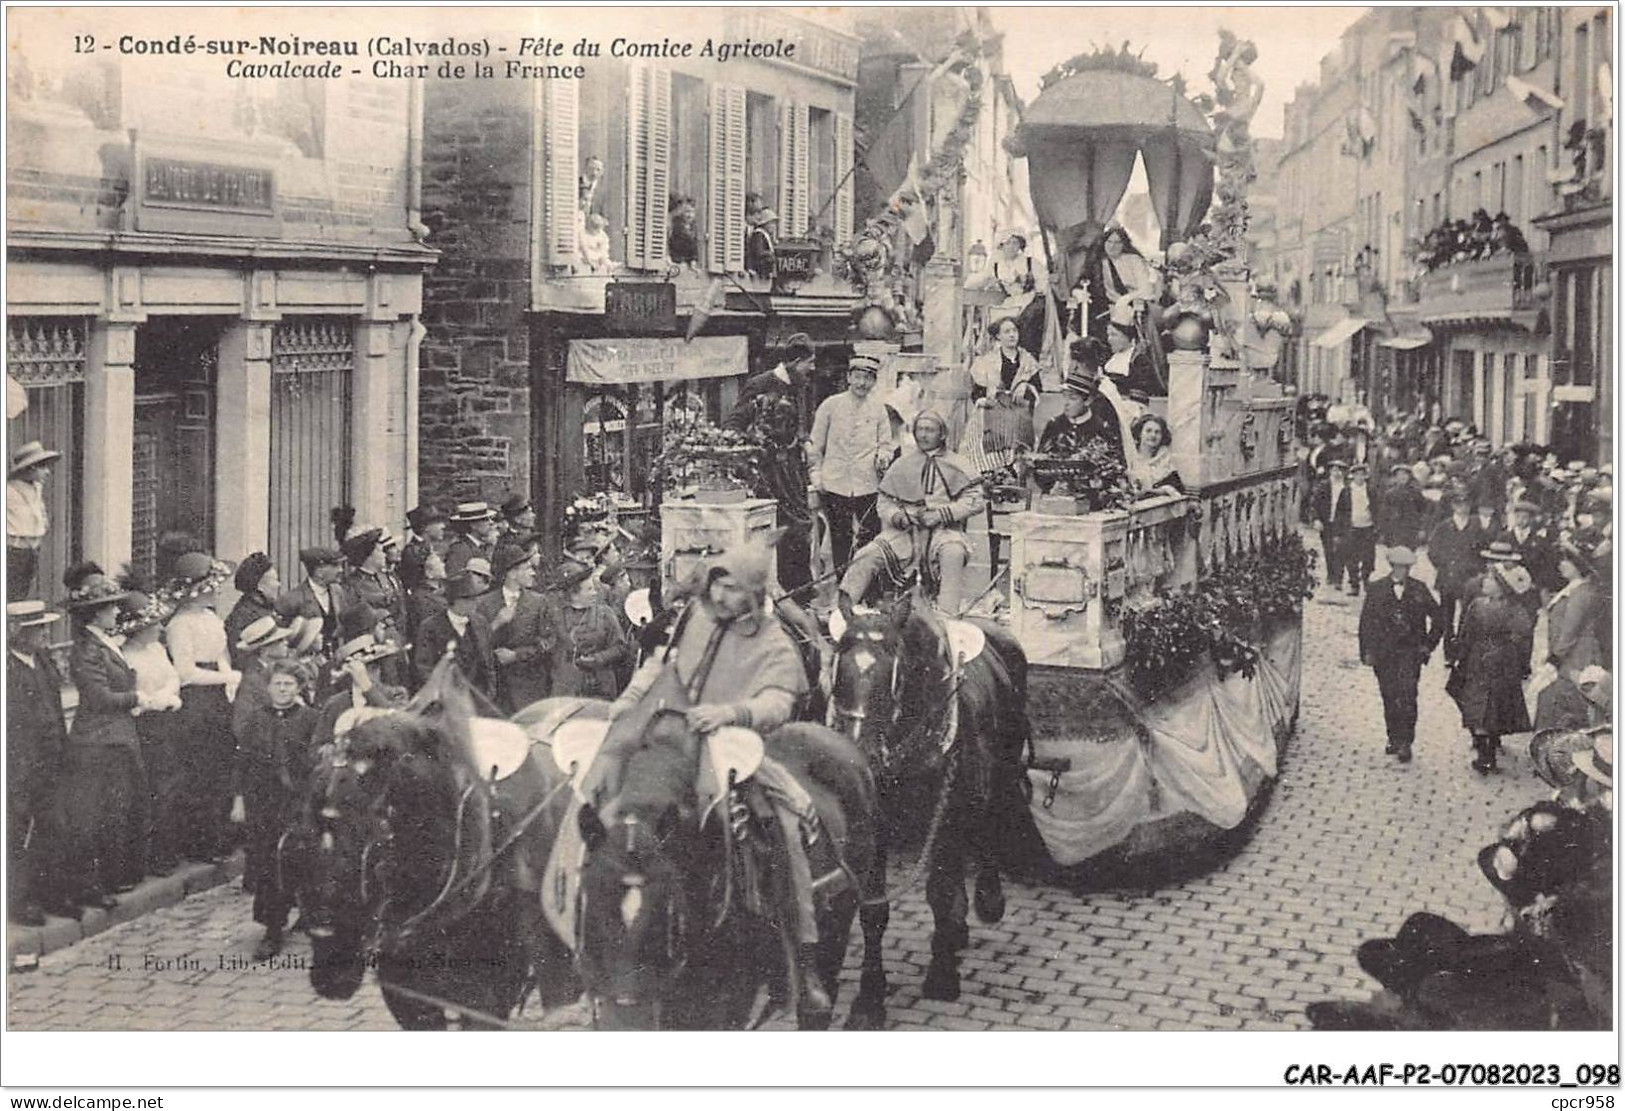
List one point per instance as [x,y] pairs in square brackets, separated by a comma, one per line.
[624,430]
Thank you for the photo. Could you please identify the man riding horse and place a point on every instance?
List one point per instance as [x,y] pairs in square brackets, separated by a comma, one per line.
[739,667]
[925,500]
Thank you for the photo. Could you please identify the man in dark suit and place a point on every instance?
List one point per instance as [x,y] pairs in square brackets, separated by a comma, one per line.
[1404,509]
[1453,548]
[462,631]
[1538,550]
[322,596]
[522,638]
[1399,628]
[36,743]
[428,535]
[1331,517]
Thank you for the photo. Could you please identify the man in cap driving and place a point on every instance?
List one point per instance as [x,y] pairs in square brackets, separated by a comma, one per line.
[925,500]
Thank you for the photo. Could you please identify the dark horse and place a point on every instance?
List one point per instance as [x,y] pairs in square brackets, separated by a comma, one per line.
[945,744]
[682,917]
[412,859]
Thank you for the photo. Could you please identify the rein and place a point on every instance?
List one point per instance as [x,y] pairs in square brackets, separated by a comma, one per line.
[414,924]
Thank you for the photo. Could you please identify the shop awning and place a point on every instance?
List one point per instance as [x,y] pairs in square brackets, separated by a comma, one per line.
[1341,332]
[1408,339]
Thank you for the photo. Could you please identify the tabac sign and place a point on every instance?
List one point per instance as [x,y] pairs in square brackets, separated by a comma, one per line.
[623,361]
[216,189]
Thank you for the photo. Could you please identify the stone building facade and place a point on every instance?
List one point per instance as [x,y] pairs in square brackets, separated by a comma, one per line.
[546,197]
[213,291]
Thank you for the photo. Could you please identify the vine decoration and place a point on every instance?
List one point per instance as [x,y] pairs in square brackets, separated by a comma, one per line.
[1094,473]
[710,456]
[1221,618]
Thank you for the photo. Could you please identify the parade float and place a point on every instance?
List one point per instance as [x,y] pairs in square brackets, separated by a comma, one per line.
[1164,632]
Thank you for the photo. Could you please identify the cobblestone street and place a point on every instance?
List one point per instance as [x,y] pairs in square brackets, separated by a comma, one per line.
[1350,844]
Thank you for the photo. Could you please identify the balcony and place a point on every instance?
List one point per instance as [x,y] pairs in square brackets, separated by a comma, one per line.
[1504,287]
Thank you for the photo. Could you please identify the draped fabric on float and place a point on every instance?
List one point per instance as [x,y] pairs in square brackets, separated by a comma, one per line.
[1076,183]
[1202,749]
[1179,174]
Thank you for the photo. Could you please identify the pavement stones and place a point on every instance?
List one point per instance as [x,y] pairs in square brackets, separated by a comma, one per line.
[1350,844]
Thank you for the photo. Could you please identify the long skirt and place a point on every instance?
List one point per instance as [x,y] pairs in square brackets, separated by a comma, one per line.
[97,842]
[165,785]
[207,747]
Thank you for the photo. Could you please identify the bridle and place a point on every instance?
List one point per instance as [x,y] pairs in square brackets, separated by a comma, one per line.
[468,860]
[632,885]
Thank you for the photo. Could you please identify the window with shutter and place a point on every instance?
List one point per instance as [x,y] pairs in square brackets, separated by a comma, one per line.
[725,247]
[559,147]
[648,166]
[843,179]
[793,174]
[657,192]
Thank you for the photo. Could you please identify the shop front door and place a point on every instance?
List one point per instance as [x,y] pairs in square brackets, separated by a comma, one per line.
[173,460]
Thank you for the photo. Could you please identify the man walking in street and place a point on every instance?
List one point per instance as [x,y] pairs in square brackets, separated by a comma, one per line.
[848,452]
[1331,518]
[1399,628]
[1453,548]
[1362,535]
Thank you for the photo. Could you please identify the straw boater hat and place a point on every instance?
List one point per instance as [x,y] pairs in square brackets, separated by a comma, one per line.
[356,640]
[196,574]
[31,454]
[265,632]
[470,512]
[1501,551]
[140,611]
[26,615]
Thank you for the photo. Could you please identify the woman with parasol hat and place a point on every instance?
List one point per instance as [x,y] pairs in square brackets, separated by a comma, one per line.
[1492,655]
[197,644]
[141,624]
[100,789]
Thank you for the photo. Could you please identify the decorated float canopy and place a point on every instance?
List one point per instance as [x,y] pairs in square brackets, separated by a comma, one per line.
[1080,138]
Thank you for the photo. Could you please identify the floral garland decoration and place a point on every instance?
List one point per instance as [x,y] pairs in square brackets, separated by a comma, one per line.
[869,262]
[1094,473]
[707,453]
[1168,636]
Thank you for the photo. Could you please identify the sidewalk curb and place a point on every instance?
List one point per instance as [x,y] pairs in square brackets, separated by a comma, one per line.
[151,894]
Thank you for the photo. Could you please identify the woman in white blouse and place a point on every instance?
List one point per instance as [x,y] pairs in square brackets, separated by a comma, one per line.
[157,718]
[197,645]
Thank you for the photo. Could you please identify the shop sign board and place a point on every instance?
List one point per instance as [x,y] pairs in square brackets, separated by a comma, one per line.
[622,361]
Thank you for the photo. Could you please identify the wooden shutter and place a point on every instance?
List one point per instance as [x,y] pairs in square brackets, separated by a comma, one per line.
[725,245]
[793,173]
[637,199]
[658,168]
[561,172]
[648,165]
[843,178]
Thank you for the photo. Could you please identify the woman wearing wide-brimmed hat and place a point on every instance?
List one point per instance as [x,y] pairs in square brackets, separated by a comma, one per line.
[1577,618]
[591,642]
[100,790]
[197,644]
[1492,656]
[141,624]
